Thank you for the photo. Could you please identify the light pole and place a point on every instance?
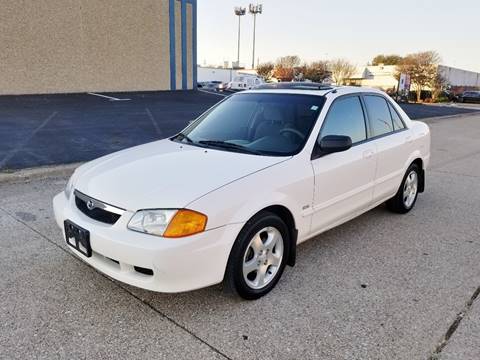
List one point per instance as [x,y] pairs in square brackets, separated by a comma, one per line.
[239,11]
[254,10]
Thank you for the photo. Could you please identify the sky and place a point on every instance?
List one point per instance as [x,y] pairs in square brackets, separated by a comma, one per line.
[353,29]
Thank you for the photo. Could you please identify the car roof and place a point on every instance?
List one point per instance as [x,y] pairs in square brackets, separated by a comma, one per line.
[311,89]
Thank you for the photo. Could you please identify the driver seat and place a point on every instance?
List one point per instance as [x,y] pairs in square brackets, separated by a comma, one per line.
[271,121]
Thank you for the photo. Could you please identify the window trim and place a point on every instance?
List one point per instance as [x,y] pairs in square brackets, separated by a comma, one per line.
[366,116]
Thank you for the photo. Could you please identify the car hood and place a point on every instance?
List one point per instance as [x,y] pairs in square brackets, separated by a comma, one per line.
[164,174]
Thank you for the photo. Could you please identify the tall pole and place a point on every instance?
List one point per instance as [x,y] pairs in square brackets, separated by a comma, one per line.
[254,28]
[238,50]
[254,10]
[239,11]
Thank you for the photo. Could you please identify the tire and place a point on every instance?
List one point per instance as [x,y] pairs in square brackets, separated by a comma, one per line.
[406,196]
[258,256]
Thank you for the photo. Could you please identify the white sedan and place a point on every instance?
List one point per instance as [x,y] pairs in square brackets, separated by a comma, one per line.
[230,197]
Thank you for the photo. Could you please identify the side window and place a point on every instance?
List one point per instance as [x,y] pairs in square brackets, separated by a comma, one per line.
[345,117]
[397,122]
[379,114]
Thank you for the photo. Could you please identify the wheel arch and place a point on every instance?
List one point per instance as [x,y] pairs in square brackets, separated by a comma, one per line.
[419,163]
[286,215]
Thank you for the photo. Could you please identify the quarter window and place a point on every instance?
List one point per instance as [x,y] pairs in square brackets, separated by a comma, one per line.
[379,114]
[346,118]
[397,122]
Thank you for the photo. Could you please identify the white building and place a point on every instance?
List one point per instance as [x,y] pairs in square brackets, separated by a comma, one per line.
[220,74]
[383,77]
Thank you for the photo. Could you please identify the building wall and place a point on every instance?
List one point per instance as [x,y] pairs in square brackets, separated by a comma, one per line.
[61,46]
[459,77]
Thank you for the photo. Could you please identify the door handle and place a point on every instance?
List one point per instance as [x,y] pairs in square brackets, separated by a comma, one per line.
[367,154]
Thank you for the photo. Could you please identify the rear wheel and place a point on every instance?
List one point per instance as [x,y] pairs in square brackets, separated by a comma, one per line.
[258,257]
[407,194]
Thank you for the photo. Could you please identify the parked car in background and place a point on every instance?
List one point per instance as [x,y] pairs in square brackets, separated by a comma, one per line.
[212,85]
[469,96]
[230,197]
[245,82]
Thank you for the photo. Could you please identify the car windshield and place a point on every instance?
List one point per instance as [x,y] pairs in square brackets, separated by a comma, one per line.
[256,123]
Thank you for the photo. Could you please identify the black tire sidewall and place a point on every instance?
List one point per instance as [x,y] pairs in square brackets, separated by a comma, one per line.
[415,168]
[235,263]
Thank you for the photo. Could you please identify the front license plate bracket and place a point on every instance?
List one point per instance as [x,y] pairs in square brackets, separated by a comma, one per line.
[78,238]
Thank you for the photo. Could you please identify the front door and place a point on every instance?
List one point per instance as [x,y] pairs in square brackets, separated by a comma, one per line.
[344,181]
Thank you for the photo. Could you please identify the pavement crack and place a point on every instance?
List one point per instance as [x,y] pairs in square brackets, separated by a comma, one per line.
[454,326]
[119,285]
[168,318]
[26,140]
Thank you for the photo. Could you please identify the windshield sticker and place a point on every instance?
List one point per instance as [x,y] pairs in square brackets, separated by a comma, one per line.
[314,108]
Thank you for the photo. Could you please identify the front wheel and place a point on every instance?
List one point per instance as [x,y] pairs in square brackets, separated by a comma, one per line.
[258,257]
[407,194]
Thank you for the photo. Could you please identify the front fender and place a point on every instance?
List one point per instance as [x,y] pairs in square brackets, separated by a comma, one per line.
[289,184]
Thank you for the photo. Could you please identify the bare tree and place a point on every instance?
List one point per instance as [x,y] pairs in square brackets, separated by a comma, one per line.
[285,67]
[437,85]
[265,70]
[341,70]
[316,71]
[422,68]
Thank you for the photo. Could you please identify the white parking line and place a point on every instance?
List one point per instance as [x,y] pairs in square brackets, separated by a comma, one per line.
[111,98]
[211,92]
[25,140]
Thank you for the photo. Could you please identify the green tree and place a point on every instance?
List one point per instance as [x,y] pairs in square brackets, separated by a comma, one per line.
[387,59]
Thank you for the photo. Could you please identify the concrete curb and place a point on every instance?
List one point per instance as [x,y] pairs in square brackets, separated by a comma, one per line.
[25,175]
[456,116]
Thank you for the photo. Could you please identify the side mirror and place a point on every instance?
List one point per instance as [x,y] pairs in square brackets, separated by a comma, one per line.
[333,143]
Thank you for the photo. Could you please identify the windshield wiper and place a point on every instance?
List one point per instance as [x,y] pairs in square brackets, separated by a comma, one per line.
[182,136]
[228,145]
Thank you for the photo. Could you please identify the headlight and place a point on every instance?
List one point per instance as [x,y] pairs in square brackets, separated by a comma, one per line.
[69,187]
[168,223]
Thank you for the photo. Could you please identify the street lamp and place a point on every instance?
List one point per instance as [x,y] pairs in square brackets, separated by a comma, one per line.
[239,11]
[254,10]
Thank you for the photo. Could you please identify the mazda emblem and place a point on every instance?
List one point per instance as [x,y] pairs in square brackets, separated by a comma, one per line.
[90,205]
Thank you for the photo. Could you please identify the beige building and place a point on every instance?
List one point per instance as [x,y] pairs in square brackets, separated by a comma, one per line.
[380,77]
[64,46]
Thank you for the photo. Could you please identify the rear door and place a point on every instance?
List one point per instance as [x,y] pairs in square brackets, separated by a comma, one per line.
[343,181]
[393,142]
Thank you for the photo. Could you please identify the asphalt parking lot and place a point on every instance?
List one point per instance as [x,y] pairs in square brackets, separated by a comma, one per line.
[40,130]
[382,286]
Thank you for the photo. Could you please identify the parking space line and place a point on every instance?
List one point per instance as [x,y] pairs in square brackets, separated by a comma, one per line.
[25,141]
[111,98]
[212,93]
[144,302]
[154,123]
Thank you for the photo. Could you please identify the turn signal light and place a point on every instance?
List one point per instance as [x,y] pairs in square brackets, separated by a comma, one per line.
[185,223]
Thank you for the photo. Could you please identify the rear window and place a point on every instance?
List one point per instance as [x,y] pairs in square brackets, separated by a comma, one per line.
[379,115]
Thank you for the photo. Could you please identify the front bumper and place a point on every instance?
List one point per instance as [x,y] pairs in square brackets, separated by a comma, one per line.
[178,264]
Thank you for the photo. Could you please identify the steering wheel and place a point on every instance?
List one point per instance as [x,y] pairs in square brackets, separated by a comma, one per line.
[293,131]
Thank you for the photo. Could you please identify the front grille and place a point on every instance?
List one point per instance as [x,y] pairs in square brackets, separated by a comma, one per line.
[96,213]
